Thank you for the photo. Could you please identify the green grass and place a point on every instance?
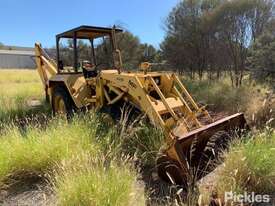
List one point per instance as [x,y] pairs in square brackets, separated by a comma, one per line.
[221,96]
[18,89]
[85,159]
[144,144]
[72,158]
[88,181]
[140,140]
[48,150]
[249,166]
[38,150]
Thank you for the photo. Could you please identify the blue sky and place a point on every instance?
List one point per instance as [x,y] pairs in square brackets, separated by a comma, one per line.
[23,22]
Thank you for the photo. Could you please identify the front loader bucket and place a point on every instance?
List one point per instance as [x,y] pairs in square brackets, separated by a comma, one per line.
[194,153]
[231,123]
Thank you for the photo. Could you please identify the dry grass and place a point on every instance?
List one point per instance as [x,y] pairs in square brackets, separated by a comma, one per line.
[18,88]
[36,150]
[249,166]
[20,83]
[71,157]
[19,75]
[86,161]
[86,180]
[257,101]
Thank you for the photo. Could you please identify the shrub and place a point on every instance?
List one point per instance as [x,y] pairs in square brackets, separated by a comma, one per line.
[255,100]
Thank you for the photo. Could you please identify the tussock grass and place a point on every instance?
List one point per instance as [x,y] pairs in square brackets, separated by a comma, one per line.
[140,140]
[221,96]
[72,157]
[37,151]
[87,180]
[249,166]
[145,144]
[135,138]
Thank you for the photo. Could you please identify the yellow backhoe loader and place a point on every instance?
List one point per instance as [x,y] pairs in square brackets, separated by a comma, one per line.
[96,79]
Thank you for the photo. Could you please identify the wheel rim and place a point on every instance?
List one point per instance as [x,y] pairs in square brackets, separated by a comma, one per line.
[59,105]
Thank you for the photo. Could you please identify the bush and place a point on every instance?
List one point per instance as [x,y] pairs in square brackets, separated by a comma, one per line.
[255,100]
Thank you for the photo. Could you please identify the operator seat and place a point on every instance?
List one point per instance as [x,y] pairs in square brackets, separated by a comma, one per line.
[89,70]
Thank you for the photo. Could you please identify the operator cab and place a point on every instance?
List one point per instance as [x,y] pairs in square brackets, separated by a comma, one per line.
[87,50]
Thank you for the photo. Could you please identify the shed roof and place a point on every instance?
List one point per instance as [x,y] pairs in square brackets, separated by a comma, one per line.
[16,52]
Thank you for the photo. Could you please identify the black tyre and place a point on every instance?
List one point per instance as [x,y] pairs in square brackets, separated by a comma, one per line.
[219,143]
[169,171]
[62,103]
[212,156]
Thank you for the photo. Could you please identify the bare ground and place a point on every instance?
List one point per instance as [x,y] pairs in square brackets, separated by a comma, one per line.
[27,192]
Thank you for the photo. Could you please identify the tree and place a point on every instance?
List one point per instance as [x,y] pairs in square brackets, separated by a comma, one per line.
[132,51]
[214,35]
[238,23]
[262,55]
[262,15]
[149,53]
[187,41]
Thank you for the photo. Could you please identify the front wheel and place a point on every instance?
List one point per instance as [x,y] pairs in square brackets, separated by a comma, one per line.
[62,103]
[169,171]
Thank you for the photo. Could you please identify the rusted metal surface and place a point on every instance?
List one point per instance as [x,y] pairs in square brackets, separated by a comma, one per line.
[236,121]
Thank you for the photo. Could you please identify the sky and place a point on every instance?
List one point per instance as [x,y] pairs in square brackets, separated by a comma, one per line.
[24,22]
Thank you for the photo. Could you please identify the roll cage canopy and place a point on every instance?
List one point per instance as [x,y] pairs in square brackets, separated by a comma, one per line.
[85,32]
[88,32]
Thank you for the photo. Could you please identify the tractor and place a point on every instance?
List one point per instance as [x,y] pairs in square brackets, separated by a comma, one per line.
[96,79]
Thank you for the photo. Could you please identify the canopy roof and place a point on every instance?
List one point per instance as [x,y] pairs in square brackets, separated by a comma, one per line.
[87,32]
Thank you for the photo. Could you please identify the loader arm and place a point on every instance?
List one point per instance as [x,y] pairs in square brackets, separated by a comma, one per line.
[168,110]
[168,104]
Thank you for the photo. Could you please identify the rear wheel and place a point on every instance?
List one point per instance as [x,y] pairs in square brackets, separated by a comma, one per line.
[62,103]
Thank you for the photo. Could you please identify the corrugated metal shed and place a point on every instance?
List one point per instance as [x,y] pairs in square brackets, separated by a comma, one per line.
[17,59]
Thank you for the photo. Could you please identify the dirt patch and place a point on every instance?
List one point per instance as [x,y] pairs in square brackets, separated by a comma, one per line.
[28,192]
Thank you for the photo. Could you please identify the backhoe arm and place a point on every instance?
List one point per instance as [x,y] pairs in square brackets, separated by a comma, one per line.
[46,66]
